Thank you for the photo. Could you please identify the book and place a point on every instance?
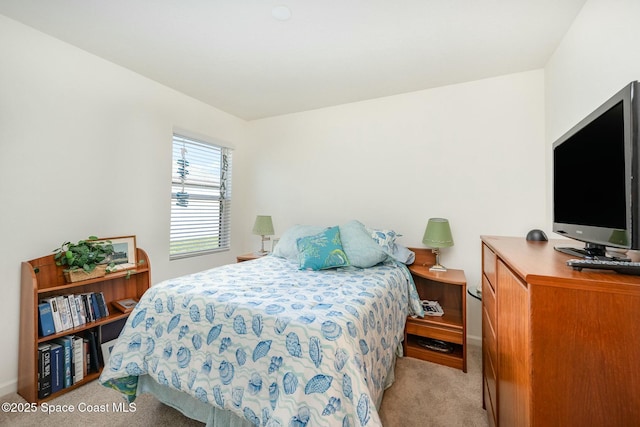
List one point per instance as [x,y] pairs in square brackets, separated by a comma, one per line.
[53,303]
[65,313]
[78,304]
[45,320]
[78,359]
[86,301]
[81,312]
[57,367]
[44,370]
[432,308]
[94,365]
[87,357]
[125,305]
[67,347]
[106,305]
[75,317]
[94,306]
[102,304]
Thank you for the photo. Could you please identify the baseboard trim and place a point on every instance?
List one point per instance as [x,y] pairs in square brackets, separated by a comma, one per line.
[474,340]
[9,387]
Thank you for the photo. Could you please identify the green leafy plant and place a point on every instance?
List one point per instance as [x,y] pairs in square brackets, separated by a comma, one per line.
[86,254]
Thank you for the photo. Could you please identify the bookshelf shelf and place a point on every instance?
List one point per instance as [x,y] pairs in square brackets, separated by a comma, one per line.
[85,380]
[110,319]
[42,278]
[70,286]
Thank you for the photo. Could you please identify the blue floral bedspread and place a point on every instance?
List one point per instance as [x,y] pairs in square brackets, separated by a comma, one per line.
[276,345]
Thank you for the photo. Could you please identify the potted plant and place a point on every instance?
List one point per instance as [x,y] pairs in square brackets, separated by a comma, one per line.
[84,260]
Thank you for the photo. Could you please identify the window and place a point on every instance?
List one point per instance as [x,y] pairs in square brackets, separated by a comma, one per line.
[200,198]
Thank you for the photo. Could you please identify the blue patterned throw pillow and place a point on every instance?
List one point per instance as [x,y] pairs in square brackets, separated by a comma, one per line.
[385,238]
[322,251]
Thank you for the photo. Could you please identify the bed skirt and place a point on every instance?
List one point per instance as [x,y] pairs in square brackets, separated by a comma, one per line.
[205,413]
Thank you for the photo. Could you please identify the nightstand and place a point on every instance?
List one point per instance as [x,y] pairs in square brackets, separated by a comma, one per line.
[449,288]
[248,257]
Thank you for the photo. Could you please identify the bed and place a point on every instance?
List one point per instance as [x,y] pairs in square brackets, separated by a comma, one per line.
[268,342]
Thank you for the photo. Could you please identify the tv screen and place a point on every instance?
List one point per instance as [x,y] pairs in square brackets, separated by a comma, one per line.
[589,175]
[595,193]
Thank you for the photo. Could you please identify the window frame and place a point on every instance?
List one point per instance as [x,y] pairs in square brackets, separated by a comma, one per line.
[208,211]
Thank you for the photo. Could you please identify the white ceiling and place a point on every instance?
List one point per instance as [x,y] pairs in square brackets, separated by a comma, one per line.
[233,55]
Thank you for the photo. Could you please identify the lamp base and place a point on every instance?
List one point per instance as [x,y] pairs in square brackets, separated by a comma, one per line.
[437,267]
[262,252]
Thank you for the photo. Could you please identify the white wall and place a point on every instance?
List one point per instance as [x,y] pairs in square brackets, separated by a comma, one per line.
[473,153]
[85,149]
[598,56]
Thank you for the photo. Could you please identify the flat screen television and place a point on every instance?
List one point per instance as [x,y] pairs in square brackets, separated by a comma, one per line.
[595,178]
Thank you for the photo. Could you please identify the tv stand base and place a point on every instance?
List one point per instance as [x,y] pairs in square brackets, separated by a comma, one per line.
[591,252]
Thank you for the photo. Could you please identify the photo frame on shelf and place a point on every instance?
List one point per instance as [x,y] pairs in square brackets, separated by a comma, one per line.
[124,252]
[106,348]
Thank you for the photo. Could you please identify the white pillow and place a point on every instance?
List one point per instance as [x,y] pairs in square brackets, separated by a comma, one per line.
[362,251]
[287,245]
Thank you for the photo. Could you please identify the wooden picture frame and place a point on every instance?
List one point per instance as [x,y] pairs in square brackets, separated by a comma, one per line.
[125,305]
[106,348]
[125,254]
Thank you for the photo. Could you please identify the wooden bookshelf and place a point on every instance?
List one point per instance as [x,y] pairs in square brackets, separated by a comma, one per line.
[42,278]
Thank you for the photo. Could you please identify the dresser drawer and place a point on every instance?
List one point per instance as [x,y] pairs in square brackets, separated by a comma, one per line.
[489,362]
[491,413]
[489,342]
[489,302]
[490,388]
[489,265]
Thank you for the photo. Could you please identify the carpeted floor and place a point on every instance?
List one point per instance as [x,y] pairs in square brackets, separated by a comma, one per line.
[424,394]
[429,395]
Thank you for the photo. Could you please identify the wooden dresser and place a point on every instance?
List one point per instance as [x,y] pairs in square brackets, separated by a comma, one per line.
[560,347]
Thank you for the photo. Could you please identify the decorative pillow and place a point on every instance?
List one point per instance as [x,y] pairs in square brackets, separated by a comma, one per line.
[362,251]
[321,251]
[384,238]
[287,245]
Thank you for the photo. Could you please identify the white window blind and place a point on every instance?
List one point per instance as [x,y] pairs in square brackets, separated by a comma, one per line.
[200,198]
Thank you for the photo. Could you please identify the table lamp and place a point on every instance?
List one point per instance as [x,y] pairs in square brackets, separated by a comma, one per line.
[436,236]
[263,227]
